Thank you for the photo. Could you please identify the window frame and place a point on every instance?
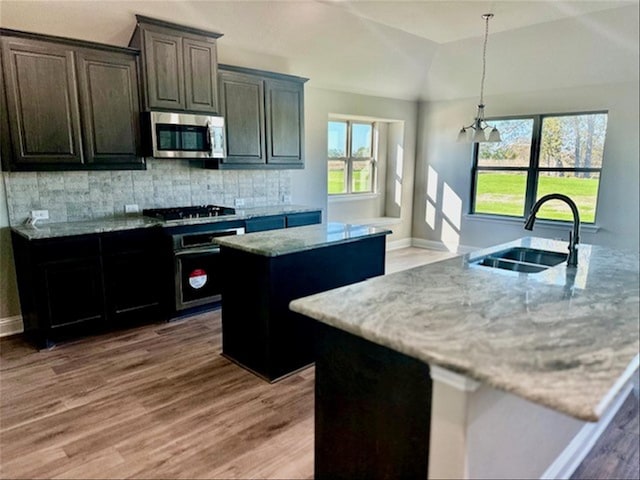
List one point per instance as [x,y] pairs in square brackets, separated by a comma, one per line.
[349,158]
[534,169]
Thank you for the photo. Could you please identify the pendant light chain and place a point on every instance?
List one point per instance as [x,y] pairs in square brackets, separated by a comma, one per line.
[484,55]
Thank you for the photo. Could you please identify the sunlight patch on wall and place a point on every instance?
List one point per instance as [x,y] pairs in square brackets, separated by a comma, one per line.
[432,184]
[397,184]
[452,206]
[430,214]
[399,161]
[450,236]
[397,192]
[432,195]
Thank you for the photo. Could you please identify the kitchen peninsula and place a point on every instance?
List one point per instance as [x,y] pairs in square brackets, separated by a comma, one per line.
[264,271]
[456,370]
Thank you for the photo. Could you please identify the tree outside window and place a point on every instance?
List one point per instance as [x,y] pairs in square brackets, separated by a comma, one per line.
[541,154]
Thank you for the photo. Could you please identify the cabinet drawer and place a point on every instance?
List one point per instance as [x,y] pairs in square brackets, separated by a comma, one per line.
[306,218]
[66,248]
[261,224]
[140,240]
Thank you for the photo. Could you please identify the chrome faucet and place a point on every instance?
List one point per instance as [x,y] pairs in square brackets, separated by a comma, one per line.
[574,237]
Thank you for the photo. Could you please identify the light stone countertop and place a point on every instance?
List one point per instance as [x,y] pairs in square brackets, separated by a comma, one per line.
[563,338]
[66,229]
[273,243]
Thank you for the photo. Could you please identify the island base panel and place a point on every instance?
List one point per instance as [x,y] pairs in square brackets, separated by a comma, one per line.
[372,410]
[259,331]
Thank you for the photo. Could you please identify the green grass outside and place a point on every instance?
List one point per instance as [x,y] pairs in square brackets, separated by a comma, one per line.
[337,183]
[503,194]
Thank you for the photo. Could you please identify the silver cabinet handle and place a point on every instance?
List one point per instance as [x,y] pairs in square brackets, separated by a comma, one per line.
[180,253]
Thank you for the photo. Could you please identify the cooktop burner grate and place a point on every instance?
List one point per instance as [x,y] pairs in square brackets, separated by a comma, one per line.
[180,213]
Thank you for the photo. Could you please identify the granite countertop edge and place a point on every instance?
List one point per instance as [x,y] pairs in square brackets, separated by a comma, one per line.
[115,224]
[276,243]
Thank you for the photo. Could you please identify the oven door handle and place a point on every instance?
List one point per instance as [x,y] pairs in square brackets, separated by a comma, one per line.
[180,253]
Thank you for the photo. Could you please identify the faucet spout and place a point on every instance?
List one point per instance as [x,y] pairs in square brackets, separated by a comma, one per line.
[574,236]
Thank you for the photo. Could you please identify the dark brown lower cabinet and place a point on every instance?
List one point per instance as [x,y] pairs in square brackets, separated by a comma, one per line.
[136,267]
[78,285]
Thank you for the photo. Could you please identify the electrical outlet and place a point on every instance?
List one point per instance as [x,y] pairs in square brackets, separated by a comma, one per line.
[131,208]
[239,202]
[40,214]
[286,198]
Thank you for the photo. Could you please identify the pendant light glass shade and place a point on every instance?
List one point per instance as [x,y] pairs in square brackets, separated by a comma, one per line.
[479,136]
[476,131]
[494,135]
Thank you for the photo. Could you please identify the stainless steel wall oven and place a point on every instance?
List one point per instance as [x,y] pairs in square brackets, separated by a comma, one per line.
[197,268]
[196,255]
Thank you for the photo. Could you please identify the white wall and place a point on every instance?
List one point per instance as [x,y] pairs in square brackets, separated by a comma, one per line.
[439,155]
[310,185]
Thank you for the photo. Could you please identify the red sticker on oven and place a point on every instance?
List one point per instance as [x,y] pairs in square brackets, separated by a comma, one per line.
[197,278]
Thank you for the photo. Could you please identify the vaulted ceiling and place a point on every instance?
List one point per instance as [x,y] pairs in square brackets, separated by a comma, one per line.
[395,48]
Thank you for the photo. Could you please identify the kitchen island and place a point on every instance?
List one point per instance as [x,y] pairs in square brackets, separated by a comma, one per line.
[456,370]
[264,271]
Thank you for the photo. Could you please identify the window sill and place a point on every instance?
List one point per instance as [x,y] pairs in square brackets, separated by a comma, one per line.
[350,197]
[375,222]
[584,227]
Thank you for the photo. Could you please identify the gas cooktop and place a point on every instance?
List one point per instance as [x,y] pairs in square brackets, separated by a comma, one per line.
[180,213]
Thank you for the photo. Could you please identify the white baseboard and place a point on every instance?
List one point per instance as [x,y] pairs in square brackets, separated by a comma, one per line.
[571,457]
[11,325]
[398,244]
[434,245]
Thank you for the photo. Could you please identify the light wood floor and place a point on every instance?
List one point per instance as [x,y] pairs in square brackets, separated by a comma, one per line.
[160,402]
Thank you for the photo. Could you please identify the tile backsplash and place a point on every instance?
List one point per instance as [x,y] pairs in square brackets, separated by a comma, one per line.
[75,196]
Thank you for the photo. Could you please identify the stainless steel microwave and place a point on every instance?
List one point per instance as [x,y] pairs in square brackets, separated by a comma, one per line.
[183,135]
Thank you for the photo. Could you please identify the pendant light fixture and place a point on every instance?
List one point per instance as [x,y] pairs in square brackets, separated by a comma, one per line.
[476,131]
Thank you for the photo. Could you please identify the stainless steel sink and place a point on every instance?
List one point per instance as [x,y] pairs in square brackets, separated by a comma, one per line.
[521,259]
[530,255]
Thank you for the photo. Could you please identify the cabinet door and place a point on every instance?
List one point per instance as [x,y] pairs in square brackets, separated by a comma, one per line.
[164,70]
[72,290]
[261,224]
[137,275]
[305,218]
[134,286]
[110,109]
[42,103]
[284,121]
[200,75]
[242,105]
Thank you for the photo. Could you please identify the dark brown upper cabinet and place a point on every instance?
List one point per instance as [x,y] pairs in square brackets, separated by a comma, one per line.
[284,110]
[110,107]
[242,105]
[42,104]
[179,66]
[70,105]
[264,119]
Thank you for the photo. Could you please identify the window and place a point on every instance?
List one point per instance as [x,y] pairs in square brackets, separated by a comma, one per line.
[541,154]
[351,159]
